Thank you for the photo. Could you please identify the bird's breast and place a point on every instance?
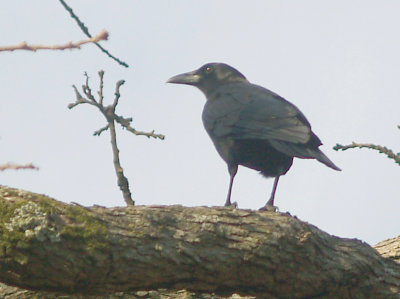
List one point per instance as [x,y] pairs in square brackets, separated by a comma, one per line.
[224,148]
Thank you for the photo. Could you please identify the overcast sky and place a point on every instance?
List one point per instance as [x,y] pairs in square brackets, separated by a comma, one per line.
[338,61]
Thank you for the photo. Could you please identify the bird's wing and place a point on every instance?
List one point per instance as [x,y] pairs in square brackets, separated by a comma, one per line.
[248,111]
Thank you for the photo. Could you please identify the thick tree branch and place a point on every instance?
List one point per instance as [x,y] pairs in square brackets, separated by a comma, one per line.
[390,248]
[49,245]
[9,292]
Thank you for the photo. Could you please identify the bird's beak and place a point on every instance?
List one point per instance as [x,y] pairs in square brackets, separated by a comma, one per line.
[190,78]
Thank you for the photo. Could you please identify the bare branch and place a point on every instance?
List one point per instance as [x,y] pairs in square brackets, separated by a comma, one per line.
[382,149]
[101,97]
[99,131]
[108,112]
[88,92]
[125,123]
[75,17]
[122,180]
[117,93]
[17,166]
[79,99]
[111,117]
[103,35]
[86,31]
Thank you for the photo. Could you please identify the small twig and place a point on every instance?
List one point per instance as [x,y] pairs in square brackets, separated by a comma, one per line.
[103,35]
[88,92]
[117,93]
[17,166]
[79,99]
[382,149]
[125,123]
[111,117]
[101,97]
[99,131]
[86,31]
[75,17]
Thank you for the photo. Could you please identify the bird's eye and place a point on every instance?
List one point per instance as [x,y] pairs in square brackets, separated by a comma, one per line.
[208,69]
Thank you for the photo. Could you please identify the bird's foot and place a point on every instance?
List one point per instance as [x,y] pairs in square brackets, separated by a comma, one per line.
[232,205]
[269,208]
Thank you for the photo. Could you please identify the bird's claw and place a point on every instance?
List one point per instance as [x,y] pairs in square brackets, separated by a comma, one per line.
[232,205]
[269,208]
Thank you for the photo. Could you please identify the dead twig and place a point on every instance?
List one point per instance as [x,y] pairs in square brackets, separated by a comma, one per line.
[125,123]
[381,149]
[111,117]
[86,31]
[17,166]
[103,35]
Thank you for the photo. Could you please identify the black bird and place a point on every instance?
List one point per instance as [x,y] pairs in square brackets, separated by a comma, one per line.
[251,125]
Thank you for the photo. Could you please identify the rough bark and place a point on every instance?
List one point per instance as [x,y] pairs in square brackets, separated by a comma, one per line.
[390,248]
[51,246]
[8,292]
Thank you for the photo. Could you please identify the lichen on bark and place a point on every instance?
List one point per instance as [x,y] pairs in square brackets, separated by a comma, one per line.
[97,250]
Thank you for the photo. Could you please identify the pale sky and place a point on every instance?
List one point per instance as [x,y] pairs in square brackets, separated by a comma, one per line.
[338,61]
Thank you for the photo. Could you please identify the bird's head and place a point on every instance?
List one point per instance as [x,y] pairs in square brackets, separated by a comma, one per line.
[209,77]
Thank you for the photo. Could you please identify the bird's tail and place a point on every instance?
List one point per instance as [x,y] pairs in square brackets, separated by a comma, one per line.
[296,150]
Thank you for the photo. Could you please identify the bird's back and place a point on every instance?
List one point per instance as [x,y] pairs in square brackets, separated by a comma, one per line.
[243,118]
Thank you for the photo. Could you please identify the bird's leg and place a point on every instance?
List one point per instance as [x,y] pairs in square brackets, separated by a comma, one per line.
[270,202]
[232,171]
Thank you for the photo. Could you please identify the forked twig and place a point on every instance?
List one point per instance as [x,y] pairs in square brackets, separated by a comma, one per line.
[111,117]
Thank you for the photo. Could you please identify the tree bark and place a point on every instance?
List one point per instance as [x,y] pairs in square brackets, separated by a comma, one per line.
[46,245]
[389,248]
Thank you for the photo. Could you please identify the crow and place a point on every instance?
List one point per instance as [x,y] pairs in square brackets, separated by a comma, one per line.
[251,125]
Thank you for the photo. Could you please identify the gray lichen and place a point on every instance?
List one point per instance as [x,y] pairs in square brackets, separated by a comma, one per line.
[33,220]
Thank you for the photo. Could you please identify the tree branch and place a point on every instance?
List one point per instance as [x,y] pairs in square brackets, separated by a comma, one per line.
[122,180]
[103,35]
[381,149]
[111,117]
[390,248]
[109,114]
[17,166]
[125,123]
[18,293]
[101,250]
[86,32]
